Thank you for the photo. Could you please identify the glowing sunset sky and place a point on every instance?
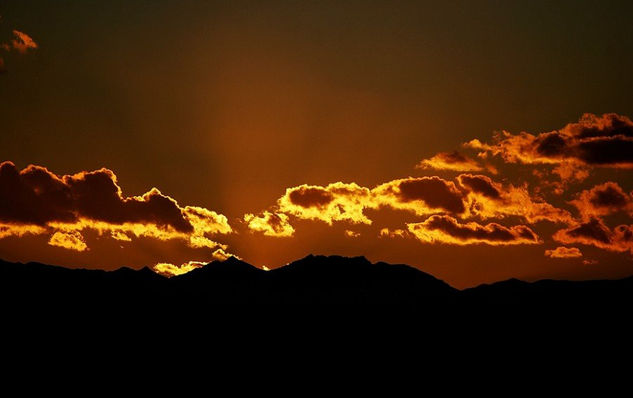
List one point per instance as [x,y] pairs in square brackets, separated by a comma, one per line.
[478,141]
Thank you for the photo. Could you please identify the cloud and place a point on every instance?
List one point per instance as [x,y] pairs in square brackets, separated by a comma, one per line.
[124,232]
[36,197]
[563,252]
[72,240]
[446,229]
[270,223]
[570,172]
[454,161]
[481,185]
[351,234]
[7,230]
[307,196]
[393,233]
[489,199]
[604,199]
[595,233]
[22,42]
[347,201]
[335,202]
[206,221]
[467,196]
[421,195]
[604,141]
[169,270]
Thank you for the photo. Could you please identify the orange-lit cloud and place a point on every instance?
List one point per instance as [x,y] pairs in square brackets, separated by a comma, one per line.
[351,234]
[446,229]
[454,161]
[595,233]
[270,224]
[336,202]
[7,230]
[605,141]
[39,200]
[393,233]
[125,232]
[22,42]
[604,199]
[421,195]
[570,171]
[119,235]
[467,196]
[489,199]
[347,201]
[34,195]
[563,252]
[206,221]
[169,270]
[72,240]
[457,211]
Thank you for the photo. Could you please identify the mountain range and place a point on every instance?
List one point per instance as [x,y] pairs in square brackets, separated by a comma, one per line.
[320,305]
[323,285]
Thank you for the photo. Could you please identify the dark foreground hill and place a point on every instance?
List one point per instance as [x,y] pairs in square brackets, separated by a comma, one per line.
[315,307]
[315,286]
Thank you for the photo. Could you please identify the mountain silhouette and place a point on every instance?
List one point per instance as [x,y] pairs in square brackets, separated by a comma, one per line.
[324,292]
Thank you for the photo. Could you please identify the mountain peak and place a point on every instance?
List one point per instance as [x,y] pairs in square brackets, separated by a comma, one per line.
[231,268]
[322,258]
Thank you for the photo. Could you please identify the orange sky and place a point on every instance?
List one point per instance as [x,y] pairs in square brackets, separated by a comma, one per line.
[138,134]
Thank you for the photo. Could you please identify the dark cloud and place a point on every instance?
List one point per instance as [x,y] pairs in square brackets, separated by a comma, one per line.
[606,151]
[594,232]
[97,196]
[480,184]
[603,199]
[469,195]
[37,196]
[551,145]
[453,157]
[607,125]
[454,161]
[446,229]
[36,201]
[490,199]
[611,196]
[311,197]
[605,141]
[338,201]
[433,191]
[33,196]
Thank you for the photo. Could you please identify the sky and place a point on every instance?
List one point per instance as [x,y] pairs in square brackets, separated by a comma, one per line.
[475,140]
